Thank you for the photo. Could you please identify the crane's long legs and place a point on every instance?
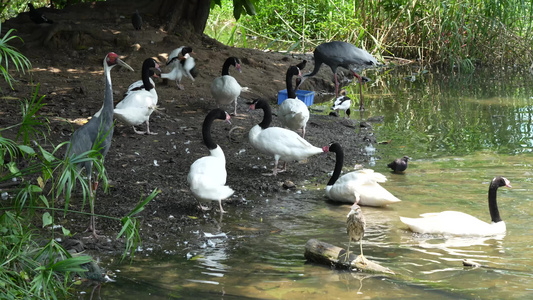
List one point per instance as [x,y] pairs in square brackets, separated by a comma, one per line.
[361,107]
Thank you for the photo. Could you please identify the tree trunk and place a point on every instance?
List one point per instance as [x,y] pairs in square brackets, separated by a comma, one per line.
[175,15]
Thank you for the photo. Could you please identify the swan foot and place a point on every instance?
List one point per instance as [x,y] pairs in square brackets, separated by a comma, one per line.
[181,87]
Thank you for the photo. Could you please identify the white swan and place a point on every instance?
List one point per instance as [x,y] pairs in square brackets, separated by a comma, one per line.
[360,187]
[207,176]
[284,144]
[461,224]
[140,100]
[293,113]
[225,89]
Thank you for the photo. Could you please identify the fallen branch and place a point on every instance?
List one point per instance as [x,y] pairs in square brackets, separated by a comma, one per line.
[331,255]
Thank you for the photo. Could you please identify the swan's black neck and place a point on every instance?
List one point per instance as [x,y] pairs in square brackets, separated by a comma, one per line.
[339,161]
[288,80]
[229,62]
[206,126]
[493,205]
[267,113]
[146,73]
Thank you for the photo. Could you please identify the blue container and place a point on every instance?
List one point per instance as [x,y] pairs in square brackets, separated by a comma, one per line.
[305,96]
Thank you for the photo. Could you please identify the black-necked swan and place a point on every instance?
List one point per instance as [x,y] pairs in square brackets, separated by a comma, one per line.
[97,133]
[461,224]
[360,187]
[399,165]
[355,227]
[293,113]
[341,54]
[207,176]
[140,100]
[225,89]
[284,144]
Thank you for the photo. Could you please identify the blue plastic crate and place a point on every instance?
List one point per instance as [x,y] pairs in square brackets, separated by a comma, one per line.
[305,96]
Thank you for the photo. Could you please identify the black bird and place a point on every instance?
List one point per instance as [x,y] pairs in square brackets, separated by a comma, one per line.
[341,54]
[97,133]
[38,17]
[136,20]
[399,165]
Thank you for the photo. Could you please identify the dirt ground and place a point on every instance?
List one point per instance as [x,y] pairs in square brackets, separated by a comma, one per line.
[68,68]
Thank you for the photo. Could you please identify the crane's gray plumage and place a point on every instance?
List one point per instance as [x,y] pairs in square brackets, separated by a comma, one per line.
[341,54]
[98,132]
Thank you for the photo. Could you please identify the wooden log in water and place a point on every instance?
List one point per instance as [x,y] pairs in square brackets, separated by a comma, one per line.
[331,255]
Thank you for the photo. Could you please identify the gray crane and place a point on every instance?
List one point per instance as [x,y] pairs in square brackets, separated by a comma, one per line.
[341,54]
[97,133]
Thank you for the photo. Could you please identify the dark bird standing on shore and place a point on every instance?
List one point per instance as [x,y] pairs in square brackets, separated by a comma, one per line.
[37,17]
[136,20]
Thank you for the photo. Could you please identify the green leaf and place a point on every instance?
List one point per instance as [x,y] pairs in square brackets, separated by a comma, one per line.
[26,149]
[13,168]
[47,219]
[66,232]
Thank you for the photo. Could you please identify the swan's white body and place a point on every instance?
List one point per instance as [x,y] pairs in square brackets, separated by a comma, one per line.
[225,89]
[137,107]
[453,223]
[461,224]
[294,114]
[207,177]
[361,187]
[284,144]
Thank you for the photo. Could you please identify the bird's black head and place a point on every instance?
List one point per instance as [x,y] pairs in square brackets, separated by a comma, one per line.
[149,64]
[293,71]
[501,181]
[258,103]
[406,158]
[30,5]
[301,65]
[335,147]
[186,50]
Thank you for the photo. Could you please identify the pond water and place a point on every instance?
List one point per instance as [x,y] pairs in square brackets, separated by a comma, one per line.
[459,130]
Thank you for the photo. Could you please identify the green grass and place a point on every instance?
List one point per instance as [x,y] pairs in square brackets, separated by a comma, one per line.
[457,34]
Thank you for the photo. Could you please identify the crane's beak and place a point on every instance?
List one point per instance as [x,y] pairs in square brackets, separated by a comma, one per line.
[123,64]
